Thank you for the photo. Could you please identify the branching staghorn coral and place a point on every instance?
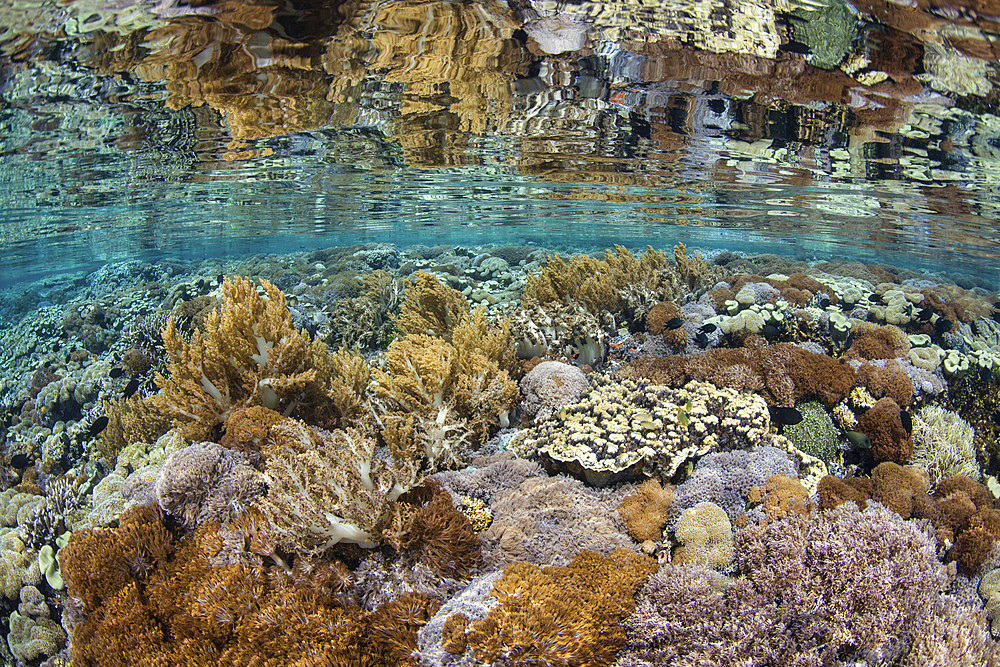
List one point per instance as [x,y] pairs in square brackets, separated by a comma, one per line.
[251,354]
[330,487]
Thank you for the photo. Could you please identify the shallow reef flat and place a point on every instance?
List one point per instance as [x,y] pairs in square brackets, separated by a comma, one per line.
[499,455]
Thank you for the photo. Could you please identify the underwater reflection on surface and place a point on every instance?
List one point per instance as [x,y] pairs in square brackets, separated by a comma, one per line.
[827,129]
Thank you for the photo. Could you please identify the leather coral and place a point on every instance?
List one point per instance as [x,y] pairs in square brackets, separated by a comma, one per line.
[250,354]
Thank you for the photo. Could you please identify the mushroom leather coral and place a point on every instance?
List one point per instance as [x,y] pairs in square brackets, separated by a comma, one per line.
[561,615]
[177,609]
[251,354]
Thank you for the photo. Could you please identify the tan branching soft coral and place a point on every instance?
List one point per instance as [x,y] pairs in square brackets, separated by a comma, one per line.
[440,392]
[694,272]
[622,284]
[644,511]
[250,354]
[330,487]
[561,615]
[430,308]
[131,420]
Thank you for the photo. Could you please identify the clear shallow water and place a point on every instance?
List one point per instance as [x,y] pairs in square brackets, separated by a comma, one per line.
[819,131]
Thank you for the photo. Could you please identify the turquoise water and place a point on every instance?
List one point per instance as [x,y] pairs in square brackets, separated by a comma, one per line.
[804,350]
[755,143]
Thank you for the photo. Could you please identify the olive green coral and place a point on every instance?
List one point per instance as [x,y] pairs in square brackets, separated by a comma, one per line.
[815,434]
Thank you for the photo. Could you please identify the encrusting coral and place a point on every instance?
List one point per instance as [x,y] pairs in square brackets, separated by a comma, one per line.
[251,354]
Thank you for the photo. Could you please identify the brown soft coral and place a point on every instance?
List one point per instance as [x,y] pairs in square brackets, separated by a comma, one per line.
[834,491]
[438,535]
[783,373]
[645,510]
[889,381]
[780,495]
[973,545]
[250,354]
[883,424]
[180,608]
[878,342]
[561,615]
[896,486]
[99,564]
[659,316]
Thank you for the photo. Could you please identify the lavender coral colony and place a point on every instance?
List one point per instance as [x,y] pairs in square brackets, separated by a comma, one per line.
[500,456]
